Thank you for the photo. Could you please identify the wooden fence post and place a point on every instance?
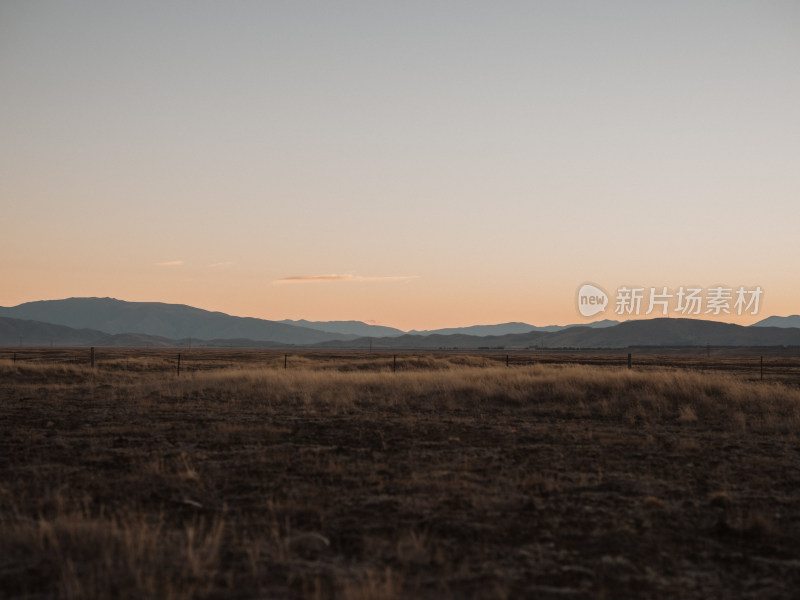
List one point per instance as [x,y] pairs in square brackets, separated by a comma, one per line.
[394,364]
[179,364]
[506,359]
[91,356]
[629,360]
[285,360]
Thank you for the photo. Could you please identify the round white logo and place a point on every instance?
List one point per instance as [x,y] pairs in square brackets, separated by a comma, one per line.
[591,300]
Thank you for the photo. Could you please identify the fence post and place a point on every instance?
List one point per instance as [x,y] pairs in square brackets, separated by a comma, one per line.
[762,367]
[506,359]
[179,364]
[285,360]
[91,356]
[394,363]
[629,360]
[15,358]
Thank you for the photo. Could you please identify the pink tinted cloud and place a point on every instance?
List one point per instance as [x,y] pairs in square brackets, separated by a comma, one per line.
[344,278]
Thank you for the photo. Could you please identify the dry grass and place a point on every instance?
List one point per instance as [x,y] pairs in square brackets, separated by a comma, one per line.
[453,477]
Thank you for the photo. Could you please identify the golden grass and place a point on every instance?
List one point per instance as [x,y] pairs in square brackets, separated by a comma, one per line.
[334,479]
[638,397]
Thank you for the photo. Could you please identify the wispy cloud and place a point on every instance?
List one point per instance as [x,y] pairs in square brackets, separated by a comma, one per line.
[170,263]
[344,278]
[221,265]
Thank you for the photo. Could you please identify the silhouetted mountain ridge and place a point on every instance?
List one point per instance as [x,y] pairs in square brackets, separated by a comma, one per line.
[109,322]
[357,328]
[507,328]
[23,332]
[790,321]
[645,332]
[172,321]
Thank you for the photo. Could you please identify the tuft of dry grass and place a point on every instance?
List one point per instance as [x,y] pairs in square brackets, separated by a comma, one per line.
[110,555]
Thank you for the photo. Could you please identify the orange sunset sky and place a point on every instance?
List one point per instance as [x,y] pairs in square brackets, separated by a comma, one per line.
[452,163]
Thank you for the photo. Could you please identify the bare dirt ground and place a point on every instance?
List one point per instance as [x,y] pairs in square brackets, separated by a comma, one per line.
[454,477]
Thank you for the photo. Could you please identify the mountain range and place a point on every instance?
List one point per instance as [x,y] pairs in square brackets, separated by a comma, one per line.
[365,330]
[173,321]
[645,332]
[178,321]
[506,328]
[111,322]
[790,321]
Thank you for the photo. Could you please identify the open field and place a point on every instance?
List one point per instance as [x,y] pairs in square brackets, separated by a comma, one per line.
[453,476]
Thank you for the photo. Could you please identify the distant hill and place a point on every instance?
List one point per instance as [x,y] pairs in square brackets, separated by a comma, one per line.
[350,328]
[361,329]
[673,332]
[140,340]
[134,340]
[14,332]
[479,330]
[649,332]
[36,333]
[172,321]
[790,321]
[594,325]
[506,328]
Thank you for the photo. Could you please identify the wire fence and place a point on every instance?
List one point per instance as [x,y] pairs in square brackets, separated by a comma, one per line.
[768,364]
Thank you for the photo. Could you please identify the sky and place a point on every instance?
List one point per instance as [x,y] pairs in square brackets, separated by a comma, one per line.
[417,164]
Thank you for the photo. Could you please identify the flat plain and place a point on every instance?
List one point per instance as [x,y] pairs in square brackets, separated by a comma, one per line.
[255,474]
